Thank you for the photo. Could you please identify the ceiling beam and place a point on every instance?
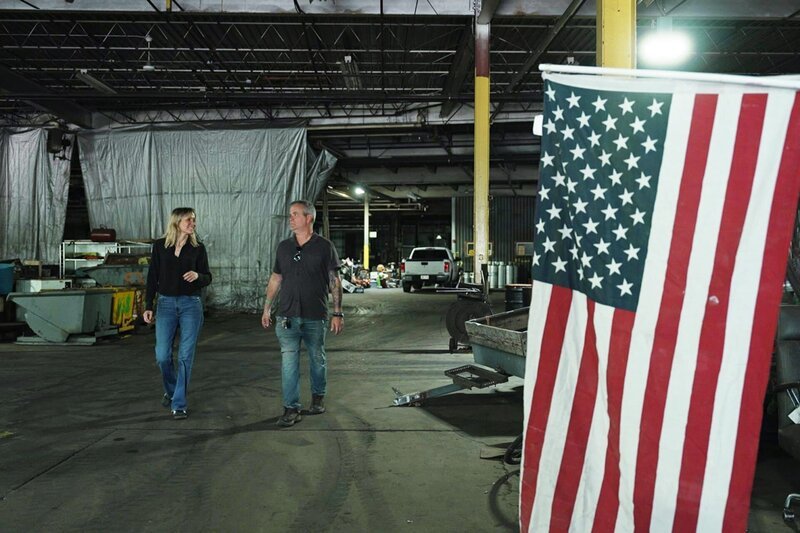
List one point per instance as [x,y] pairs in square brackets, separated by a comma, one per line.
[488,9]
[536,55]
[459,69]
[49,102]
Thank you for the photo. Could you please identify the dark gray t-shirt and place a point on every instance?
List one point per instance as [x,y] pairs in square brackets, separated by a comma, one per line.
[306,276]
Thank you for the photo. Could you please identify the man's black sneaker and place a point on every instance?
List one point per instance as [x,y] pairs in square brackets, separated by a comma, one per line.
[317,406]
[179,414]
[166,401]
[290,417]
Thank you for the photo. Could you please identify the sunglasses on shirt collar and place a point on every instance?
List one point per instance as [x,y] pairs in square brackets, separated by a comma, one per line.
[297,255]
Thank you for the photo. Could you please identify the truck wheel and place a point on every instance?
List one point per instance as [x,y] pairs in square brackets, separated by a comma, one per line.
[406,287]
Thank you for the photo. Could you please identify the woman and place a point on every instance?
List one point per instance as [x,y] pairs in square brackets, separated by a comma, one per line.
[178,270]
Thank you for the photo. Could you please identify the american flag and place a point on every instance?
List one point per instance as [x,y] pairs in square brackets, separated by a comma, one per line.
[663,221]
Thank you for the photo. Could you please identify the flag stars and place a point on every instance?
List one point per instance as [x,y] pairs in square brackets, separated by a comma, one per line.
[580,206]
[610,123]
[543,192]
[626,197]
[625,288]
[638,125]
[655,107]
[649,145]
[551,93]
[643,181]
[638,217]
[632,161]
[616,177]
[599,104]
[626,106]
[535,260]
[547,160]
[594,139]
[621,142]
[610,212]
[560,265]
[620,232]
[605,158]
[583,120]
[573,100]
[540,226]
[567,133]
[632,253]
[571,185]
[554,212]
[613,267]
[596,281]
[549,246]
[602,247]
[566,232]
[577,152]
[550,126]
[558,113]
[574,252]
[591,226]
[586,259]
[588,172]
[599,192]
[559,178]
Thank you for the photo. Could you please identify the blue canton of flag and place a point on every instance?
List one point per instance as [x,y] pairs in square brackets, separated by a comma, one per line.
[598,177]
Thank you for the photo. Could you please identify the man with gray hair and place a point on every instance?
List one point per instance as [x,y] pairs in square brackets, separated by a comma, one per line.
[305,271]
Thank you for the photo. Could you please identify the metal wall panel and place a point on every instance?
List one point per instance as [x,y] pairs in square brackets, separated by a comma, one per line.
[511,220]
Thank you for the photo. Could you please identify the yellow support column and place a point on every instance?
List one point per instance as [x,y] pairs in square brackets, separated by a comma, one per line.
[481,174]
[366,230]
[616,33]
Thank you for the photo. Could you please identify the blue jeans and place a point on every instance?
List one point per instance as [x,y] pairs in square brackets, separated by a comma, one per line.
[312,333]
[172,312]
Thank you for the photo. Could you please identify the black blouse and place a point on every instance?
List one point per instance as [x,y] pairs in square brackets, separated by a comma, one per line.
[165,275]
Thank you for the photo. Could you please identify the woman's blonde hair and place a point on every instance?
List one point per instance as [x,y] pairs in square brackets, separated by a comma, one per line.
[173,229]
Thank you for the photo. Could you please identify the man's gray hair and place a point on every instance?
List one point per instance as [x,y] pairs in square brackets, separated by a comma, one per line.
[308,208]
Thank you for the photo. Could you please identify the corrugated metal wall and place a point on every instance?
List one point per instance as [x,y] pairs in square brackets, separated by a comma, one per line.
[511,220]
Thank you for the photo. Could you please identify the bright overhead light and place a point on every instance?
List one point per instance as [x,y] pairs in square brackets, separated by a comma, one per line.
[91,81]
[360,191]
[664,47]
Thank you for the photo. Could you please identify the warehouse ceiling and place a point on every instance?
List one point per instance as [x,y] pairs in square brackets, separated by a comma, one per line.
[385,85]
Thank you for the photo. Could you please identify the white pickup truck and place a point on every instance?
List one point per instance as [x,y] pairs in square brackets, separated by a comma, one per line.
[428,266]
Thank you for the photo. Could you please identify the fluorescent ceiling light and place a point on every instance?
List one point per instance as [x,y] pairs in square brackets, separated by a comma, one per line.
[665,47]
[88,79]
[360,191]
[352,78]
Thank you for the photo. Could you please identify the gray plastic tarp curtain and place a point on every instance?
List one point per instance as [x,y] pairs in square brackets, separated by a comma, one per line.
[239,181]
[33,195]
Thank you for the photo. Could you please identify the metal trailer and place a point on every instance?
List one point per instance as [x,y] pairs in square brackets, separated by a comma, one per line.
[499,342]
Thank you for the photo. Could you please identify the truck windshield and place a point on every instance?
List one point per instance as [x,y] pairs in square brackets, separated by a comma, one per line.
[428,255]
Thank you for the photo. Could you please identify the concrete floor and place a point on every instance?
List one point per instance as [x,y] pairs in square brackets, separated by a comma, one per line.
[86,446]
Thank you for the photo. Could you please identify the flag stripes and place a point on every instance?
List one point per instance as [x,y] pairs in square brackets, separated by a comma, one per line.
[779,200]
[712,335]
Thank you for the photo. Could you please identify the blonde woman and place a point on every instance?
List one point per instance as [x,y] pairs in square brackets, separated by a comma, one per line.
[178,270]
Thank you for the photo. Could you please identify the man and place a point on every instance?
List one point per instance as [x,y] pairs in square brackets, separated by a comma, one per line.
[305,271]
